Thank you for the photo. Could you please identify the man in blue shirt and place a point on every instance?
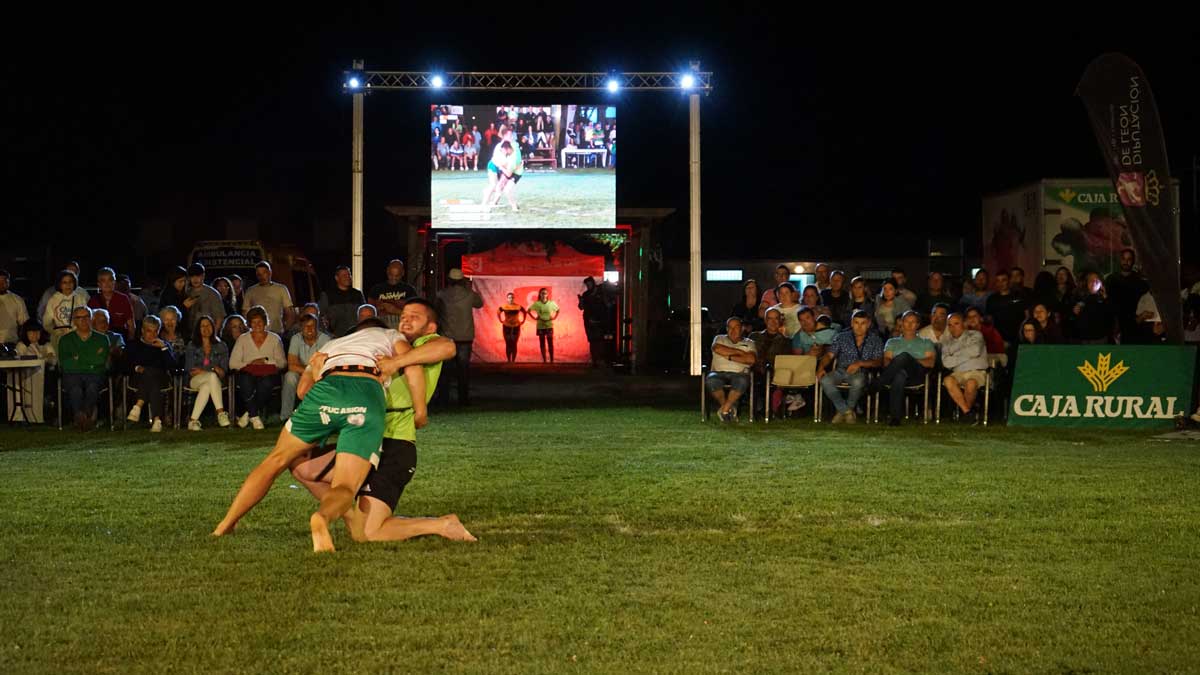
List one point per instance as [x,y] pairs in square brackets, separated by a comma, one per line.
[905,359]
[853,351]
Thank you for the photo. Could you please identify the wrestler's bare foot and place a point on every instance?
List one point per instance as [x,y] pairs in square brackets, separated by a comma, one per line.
[452,529]
[356,522]
[322,542]
[223,529]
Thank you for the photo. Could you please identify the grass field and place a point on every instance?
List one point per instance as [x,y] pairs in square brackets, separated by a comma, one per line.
[569,198]
[618,539]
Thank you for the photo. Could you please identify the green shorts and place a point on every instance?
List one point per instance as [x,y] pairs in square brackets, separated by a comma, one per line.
[353,407]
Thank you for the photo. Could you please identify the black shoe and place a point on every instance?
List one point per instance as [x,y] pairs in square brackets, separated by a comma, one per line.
[894,422]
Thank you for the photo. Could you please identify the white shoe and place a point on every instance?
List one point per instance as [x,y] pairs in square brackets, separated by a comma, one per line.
[244,420]
[795,402]
[256,422]
[135,413]
[223,419]
[156,427]
[194,425]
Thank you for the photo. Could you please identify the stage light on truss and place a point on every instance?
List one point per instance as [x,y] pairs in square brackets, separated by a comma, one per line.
[437,81]
[613,85]
[687,81]
[354,81]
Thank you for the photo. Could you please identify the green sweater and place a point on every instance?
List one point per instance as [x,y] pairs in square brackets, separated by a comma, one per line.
[90,356]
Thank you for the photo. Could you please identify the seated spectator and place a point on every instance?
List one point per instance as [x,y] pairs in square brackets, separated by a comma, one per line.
[57,318]
[73,268]
[125,285]
[1051,332]
[889,307]
[837,299]
[443,152]
[810,339]
[172,334]
[978,296]
[258,357]
[746,308]
[232,328]
[860,299]
[207,362]
[965,356]
[120,308]
[770,342]
[304,344]
[366,311]
[150,363]
[974,320]
[1006,309]
[83,358]
[36,343]
[788,308]
[901,280]
[456,156]
[1095,315]
[852,353]
[936,332]
[769,299]
[732,357]
[471,153]
[1031,332]
[101,325]
[906,359]
[935,293]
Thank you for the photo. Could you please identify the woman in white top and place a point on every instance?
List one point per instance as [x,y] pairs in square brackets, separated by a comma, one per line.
[258,358]
[57,318]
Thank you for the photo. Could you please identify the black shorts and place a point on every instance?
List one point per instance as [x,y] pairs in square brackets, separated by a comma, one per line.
[515,178]
[396,467]
[512,331]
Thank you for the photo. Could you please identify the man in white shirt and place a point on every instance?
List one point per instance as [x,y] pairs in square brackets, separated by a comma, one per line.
[936,331]
[732,357]
[965,356]
[13,312]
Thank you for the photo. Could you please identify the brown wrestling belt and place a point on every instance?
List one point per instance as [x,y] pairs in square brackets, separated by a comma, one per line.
[369,370]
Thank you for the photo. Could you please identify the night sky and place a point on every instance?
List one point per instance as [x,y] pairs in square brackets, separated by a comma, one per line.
[816,127]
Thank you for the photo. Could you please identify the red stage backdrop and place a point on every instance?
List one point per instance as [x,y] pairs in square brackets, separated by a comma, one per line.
[523,269]
[570,341]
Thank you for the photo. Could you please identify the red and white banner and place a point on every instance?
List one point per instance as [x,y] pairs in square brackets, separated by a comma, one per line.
[570,340]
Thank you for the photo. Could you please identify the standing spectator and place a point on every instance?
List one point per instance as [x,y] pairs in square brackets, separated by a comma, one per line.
[965,356]
[125,285]
[822,275]
[1043,289]
[732,357]
[83,357]
[991,338]
[224,288]
[769,299]
[389,297]
[810,297]
[72,267]
[258,357]
[545,311]
[151,364]
[273,297]
[340,304]
[788,308]
[852,353]
[13,313]
[304,344]
[233,328]
[1016,285]
[977,298]
[837,299]
[1051,332]
[207,362]
[1007,309]
[906,358]
[889,307]
[239,290]
[1123,290]
[201,300]
[174,293]
[120,309]
[746,308]
[597,320]
[172,331]
[456,305]
[935,292]
[860,298]
[58,315]
[150,294]
[936,331]
[901,281]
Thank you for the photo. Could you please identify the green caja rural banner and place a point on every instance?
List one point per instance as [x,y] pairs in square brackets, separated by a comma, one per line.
[1102,386]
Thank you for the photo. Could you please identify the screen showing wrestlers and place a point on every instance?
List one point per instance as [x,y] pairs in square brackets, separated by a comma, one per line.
[504,166]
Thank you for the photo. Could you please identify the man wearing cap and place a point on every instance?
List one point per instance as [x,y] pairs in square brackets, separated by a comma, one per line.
[200,299]
[456,305]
